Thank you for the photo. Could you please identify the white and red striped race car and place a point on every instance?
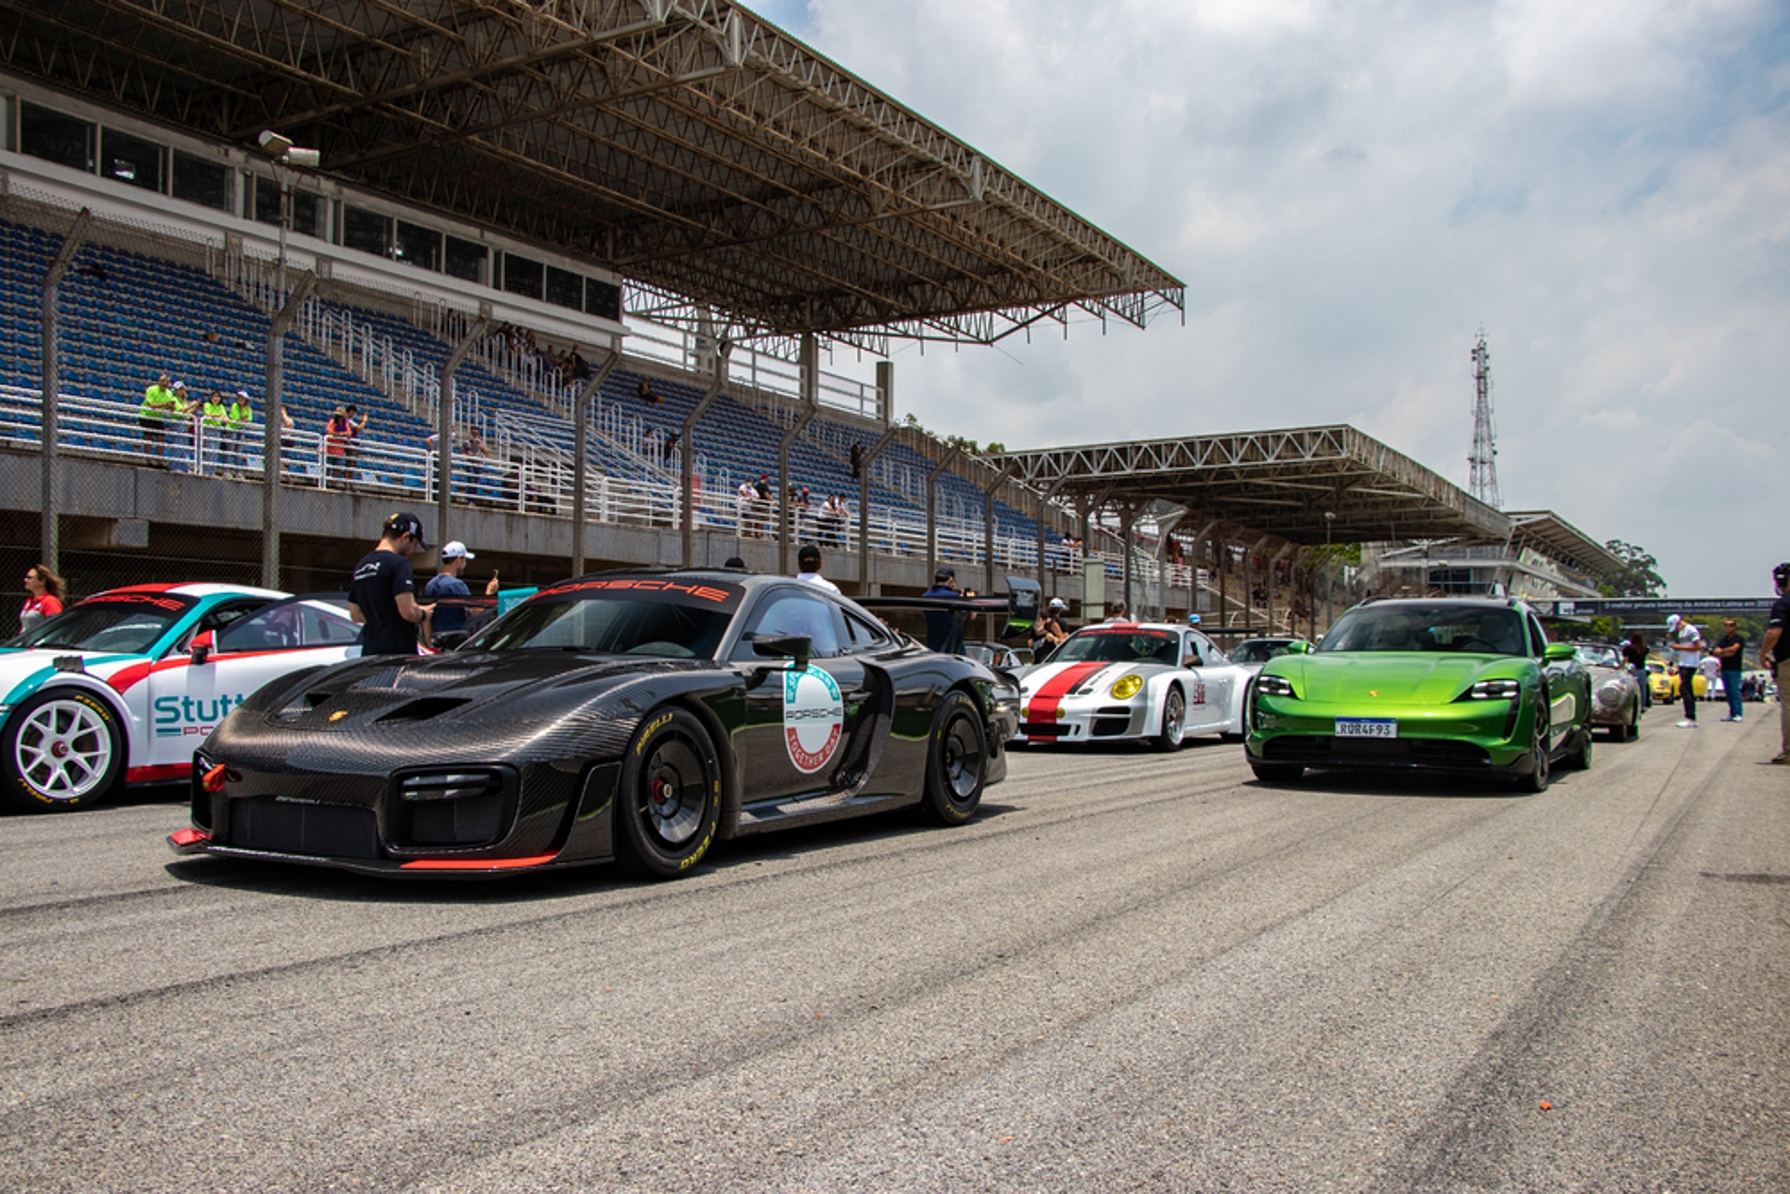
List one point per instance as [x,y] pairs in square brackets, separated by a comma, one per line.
[122,687]
[1153,682]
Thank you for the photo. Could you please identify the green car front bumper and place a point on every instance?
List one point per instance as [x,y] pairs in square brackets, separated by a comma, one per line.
[1473,737]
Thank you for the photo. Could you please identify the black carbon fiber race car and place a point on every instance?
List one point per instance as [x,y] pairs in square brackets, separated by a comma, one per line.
[639,716]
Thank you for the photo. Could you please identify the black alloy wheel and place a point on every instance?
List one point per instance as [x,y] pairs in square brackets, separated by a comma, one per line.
[669,802]
[956,762]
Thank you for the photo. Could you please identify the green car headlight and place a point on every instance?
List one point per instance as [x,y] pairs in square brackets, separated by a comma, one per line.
[1126,686]
[1276,686]
[1495,690]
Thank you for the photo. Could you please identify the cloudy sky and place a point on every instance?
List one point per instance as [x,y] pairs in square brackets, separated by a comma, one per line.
[1350,191]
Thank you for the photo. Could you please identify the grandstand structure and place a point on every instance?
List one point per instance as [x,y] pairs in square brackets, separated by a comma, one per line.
[581,265]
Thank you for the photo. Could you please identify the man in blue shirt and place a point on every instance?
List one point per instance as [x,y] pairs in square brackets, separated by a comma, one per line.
[941,624]
[450,616]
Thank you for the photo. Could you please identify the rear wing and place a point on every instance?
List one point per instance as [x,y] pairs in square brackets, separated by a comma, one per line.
[1021,606]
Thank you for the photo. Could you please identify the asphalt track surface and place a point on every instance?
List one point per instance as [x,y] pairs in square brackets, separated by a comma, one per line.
[1130,972]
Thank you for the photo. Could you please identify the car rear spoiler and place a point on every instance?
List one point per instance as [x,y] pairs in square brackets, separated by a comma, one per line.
[1021,606]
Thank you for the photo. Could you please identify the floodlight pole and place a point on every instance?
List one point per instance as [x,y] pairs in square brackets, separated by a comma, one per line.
[49,520]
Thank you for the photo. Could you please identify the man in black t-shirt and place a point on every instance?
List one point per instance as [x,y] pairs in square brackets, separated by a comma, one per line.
[1731,650]
[1774,655]
[380,595]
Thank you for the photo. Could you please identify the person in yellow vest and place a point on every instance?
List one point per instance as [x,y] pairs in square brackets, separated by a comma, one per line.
[214,431]
[160,404]
[242,422]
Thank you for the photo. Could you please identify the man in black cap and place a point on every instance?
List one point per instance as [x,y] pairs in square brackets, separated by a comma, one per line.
[941,622]
[381,596]
[808,561]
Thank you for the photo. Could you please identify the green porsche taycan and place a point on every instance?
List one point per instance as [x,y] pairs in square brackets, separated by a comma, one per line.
[1454,685]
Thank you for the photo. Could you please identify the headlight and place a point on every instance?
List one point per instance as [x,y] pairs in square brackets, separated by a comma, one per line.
[1125,687]
[1610,693]
[1495,690]
[1276,686]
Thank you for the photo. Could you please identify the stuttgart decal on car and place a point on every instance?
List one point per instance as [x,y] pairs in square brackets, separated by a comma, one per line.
[813,718]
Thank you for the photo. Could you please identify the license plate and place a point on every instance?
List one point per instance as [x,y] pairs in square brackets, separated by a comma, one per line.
[1366,727]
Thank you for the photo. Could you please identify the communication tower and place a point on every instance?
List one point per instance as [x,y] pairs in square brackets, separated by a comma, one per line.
[1482,477]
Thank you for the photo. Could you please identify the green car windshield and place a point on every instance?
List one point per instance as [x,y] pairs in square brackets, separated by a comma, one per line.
[1419,627]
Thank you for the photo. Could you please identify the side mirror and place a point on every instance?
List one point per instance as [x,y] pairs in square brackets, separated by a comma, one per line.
[1298,648]
[200,647]
[1557,651]
[796,647]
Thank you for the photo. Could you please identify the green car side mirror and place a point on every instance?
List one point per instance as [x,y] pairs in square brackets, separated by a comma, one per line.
[1557,651]
[1298,648]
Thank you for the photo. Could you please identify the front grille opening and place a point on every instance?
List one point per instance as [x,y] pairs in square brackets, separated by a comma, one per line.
[459,807]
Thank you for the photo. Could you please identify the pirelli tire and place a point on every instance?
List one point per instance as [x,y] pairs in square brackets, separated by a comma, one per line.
[60,750]
[956,762]
[668,803]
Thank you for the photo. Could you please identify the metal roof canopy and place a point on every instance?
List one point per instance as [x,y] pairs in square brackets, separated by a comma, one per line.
[701,153]
[1271,482]
[1553,536]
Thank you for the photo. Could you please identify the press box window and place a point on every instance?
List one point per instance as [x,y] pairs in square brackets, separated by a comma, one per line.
[602,299]
[199,181]
[64,140]
[467,260]
[130,160]
[565,288]
[522,275]
[307,209]
[419,246]
[367,231]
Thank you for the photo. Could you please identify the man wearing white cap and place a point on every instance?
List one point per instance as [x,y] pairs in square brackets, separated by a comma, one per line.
[450,617]
[1687,641]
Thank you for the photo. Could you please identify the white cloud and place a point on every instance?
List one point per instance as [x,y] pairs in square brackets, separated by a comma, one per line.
[1350,191]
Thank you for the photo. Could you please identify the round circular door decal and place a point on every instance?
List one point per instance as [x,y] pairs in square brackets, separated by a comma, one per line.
[813,718]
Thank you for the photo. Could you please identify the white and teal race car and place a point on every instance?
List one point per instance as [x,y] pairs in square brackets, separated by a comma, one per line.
[122,687]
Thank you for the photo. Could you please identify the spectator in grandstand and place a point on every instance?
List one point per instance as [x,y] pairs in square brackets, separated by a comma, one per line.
[834,514]
[762,508]
[747,495]
[1118,612]
[159,405]
[336,432]
[799,509]
[668,449]
[214,431]
[857,461]
[450,617]
[44,592]
[808,560]
[580,367]
[646,392]
[357,423]
[380,594]
[474,445]
[941,623]
[241,415]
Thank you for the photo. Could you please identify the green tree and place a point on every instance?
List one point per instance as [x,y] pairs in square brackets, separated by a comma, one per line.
[1639,576]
